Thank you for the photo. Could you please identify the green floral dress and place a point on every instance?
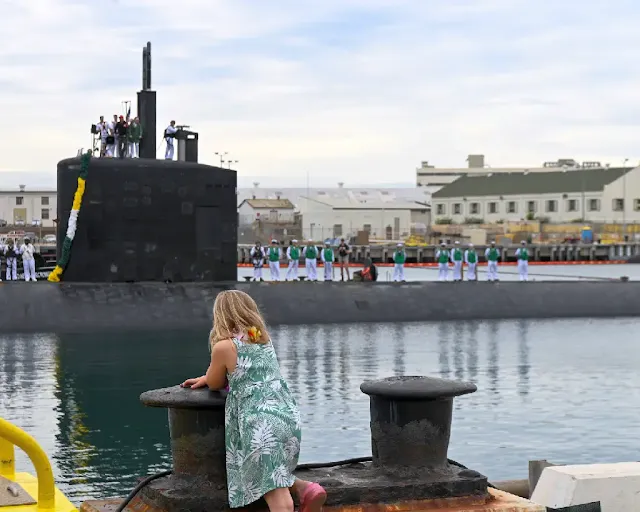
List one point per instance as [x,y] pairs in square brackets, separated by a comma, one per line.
[262,426]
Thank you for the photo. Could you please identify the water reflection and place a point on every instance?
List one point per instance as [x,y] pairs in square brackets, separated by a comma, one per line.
[78,395]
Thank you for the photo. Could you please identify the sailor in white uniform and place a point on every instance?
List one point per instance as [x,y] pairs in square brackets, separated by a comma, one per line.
[523,261]
[492,254]
[471,259]
[328,257]
[311,260]
[442,257]
[110,140]
[456,258]
[274,255]
[293,256]
[11,252]
[169,135]
[28,261]
[257,257]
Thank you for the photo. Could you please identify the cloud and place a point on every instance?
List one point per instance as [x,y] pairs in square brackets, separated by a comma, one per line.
[344,90]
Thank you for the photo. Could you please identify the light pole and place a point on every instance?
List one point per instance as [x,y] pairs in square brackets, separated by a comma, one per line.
[624,200]
[221,155]
[232,162]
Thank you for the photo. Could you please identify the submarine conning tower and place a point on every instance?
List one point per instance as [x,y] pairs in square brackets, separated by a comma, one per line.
[149,220]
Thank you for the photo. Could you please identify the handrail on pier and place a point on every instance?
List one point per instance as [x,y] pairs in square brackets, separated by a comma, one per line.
[11,436]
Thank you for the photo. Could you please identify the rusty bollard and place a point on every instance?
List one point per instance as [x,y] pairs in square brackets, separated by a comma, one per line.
[196,428]
[411,420]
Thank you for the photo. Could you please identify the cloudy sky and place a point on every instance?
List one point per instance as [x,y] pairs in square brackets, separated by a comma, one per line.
[358,91]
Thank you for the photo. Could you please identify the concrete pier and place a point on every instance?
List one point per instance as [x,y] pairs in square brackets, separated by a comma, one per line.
[89,307]
[542,253]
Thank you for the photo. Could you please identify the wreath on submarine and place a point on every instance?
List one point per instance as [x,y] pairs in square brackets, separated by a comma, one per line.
[56,274]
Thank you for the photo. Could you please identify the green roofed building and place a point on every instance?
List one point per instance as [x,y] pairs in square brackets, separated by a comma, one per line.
[595,195]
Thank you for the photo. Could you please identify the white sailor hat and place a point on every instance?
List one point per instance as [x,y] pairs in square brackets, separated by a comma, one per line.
[442,244]
[493,242]
[457,242]
[294,241]
[470,245]
[310,240]
[400,244]
[274,241]
[523,242]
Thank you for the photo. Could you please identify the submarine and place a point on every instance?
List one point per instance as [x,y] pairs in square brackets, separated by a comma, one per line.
[147,244]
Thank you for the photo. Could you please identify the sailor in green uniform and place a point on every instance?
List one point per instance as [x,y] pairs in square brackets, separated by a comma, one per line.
[293,256]
[327,258]
[311,260]
[492,254]
[399,257]
[456,259]
[274,255]
[523,261]
[471,259]
[442,257]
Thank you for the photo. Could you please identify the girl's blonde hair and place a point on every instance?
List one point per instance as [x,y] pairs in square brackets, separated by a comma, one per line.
[234,313]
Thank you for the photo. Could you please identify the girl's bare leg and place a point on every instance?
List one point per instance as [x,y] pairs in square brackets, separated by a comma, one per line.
[279,500]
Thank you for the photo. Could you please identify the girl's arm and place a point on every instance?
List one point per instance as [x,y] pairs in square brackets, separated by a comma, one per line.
[223,360]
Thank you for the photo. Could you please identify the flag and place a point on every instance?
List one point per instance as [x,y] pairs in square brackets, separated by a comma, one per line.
[128,113]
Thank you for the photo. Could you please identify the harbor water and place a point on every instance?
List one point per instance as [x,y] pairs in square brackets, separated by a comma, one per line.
[564,390]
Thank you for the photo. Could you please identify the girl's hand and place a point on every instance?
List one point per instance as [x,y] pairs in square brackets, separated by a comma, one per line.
[196,383]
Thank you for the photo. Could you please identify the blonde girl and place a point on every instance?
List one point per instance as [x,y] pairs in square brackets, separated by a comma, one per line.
[262,420]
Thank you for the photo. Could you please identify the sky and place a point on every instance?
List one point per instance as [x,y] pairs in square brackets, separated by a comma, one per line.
[321,91]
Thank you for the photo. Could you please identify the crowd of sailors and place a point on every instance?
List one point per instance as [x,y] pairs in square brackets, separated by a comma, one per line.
[120,138]
[12,252]
[449,260]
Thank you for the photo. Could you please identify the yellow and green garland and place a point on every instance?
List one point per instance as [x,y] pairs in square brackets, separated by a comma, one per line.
[57,272]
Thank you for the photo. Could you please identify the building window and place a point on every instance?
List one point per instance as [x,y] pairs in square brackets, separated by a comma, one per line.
[552,206]
[44,215]
[493,207]
[636,205]
[532,206]
[19,201]
[512,207]
[594,205]
[367,228]
[44,201]
[572,205]
[440,209]
[337,230]
[474,208]
[618,204]
[457,209]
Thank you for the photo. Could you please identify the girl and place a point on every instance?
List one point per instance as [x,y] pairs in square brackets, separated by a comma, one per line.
[262,421]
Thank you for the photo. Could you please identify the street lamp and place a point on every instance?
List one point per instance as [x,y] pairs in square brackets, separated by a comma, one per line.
[232,162]
[221,155]
[624,200]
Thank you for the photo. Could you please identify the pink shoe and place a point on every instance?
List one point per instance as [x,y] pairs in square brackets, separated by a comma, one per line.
[312,498]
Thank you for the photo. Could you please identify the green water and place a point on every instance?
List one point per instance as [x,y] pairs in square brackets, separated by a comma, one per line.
[563,390]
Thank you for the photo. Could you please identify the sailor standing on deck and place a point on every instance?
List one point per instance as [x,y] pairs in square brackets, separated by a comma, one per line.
[169,135]
[310,260]
[274,255]
[293,255]
[28,261]
[492,255]
[257,257]
[110,140]
[471,259]
[399,257]
[456,259]
[11,252]
[523,261]
[442,257]
[327,258]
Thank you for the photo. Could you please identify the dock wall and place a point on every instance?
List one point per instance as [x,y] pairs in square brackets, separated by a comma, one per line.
[89,307]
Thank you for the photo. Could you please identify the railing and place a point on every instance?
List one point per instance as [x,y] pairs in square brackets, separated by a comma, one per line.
[11,435]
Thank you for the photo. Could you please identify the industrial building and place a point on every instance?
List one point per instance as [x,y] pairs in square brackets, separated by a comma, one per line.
[322,213]
[594,195]
[25,207]
[434,178]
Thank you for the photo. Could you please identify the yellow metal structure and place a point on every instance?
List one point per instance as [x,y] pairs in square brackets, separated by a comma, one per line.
[49,498]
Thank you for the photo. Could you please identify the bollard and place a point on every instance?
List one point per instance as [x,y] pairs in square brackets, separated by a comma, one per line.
[196,429]
[411,420]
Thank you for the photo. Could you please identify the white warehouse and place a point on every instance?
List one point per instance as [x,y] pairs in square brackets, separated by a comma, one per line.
[24,207]
[592,195]
[328,217]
